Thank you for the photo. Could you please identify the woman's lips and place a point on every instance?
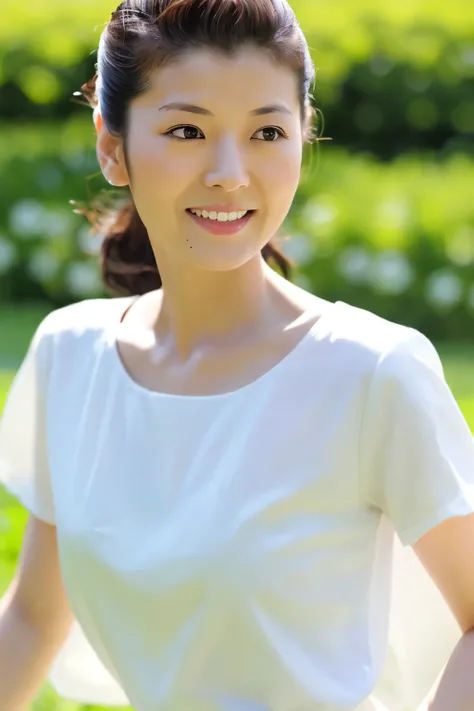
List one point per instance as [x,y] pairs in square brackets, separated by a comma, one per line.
[222,228]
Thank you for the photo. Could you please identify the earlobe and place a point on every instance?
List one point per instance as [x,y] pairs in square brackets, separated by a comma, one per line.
[109,154]
[115,174]
[121,178]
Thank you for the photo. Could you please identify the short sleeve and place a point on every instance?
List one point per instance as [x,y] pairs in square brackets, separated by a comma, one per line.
[416,449]
[24,466]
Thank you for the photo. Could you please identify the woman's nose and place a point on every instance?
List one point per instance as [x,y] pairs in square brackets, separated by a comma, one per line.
[228,170]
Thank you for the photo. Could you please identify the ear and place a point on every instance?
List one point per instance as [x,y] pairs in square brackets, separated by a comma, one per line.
[109,151]
[97,118]
[308,122]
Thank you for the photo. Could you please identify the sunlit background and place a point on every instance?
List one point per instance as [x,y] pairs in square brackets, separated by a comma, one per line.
[384,218]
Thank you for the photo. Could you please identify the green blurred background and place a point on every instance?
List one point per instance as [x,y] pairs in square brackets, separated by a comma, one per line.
[384,218]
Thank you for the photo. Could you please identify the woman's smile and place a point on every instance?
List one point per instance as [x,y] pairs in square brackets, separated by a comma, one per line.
[221,222]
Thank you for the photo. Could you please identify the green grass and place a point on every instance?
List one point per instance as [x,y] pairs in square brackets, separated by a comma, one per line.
[17,327]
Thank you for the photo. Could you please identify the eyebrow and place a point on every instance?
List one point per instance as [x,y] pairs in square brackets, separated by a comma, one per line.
[193,109]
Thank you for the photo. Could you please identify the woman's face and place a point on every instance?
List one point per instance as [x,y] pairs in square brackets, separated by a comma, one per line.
[220,135]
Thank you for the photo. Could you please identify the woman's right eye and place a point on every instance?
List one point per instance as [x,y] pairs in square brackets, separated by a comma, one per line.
[186,133]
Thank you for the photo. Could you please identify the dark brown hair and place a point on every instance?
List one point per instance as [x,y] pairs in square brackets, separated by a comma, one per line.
[142,36]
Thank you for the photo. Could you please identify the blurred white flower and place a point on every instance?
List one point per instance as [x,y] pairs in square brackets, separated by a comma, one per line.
[89,243]
[30,218]
[381,65]
[419,82]
[355,264]
[7,255]
[57,223]
[460,247]
[43,265]
[76,161]
[394,213]
[27,218]
[319,214]
[83,278]
[391,272]
[298,247]
[470,298]
[443,289]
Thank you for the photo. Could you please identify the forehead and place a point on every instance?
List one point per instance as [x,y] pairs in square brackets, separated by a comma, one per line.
[250,74]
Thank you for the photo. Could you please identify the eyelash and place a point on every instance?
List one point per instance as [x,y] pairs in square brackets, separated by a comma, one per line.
[280,131]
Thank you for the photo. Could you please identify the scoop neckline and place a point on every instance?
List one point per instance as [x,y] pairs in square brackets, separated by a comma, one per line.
[312,334]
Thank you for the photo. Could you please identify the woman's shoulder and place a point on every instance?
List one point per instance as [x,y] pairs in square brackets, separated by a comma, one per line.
[369,341]
[74,330]
[81,317]
[351,330]
[369,329]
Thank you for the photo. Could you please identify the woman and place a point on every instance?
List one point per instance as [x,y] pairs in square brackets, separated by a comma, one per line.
[217,463]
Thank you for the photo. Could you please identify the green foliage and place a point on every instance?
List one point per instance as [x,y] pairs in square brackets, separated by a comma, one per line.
[398,238]
[393,80]
[395,237]
[42,241]
[390,76]
[17,326]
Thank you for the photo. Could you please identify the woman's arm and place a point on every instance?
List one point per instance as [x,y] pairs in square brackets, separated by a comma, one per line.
[447,552]
[35,618]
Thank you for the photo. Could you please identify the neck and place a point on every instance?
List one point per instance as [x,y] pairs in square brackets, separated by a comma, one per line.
[208,308]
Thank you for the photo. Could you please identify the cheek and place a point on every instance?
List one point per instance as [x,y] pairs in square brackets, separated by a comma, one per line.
[280,177]
[159,170]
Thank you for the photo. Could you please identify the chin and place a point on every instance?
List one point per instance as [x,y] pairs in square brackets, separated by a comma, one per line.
[222,258]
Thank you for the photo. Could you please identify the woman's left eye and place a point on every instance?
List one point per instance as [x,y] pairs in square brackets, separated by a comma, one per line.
[271,134]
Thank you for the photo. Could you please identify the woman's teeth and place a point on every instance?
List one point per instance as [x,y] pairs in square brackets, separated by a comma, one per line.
[220,216]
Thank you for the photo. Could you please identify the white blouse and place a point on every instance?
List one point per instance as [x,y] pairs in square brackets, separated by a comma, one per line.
[249,551]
